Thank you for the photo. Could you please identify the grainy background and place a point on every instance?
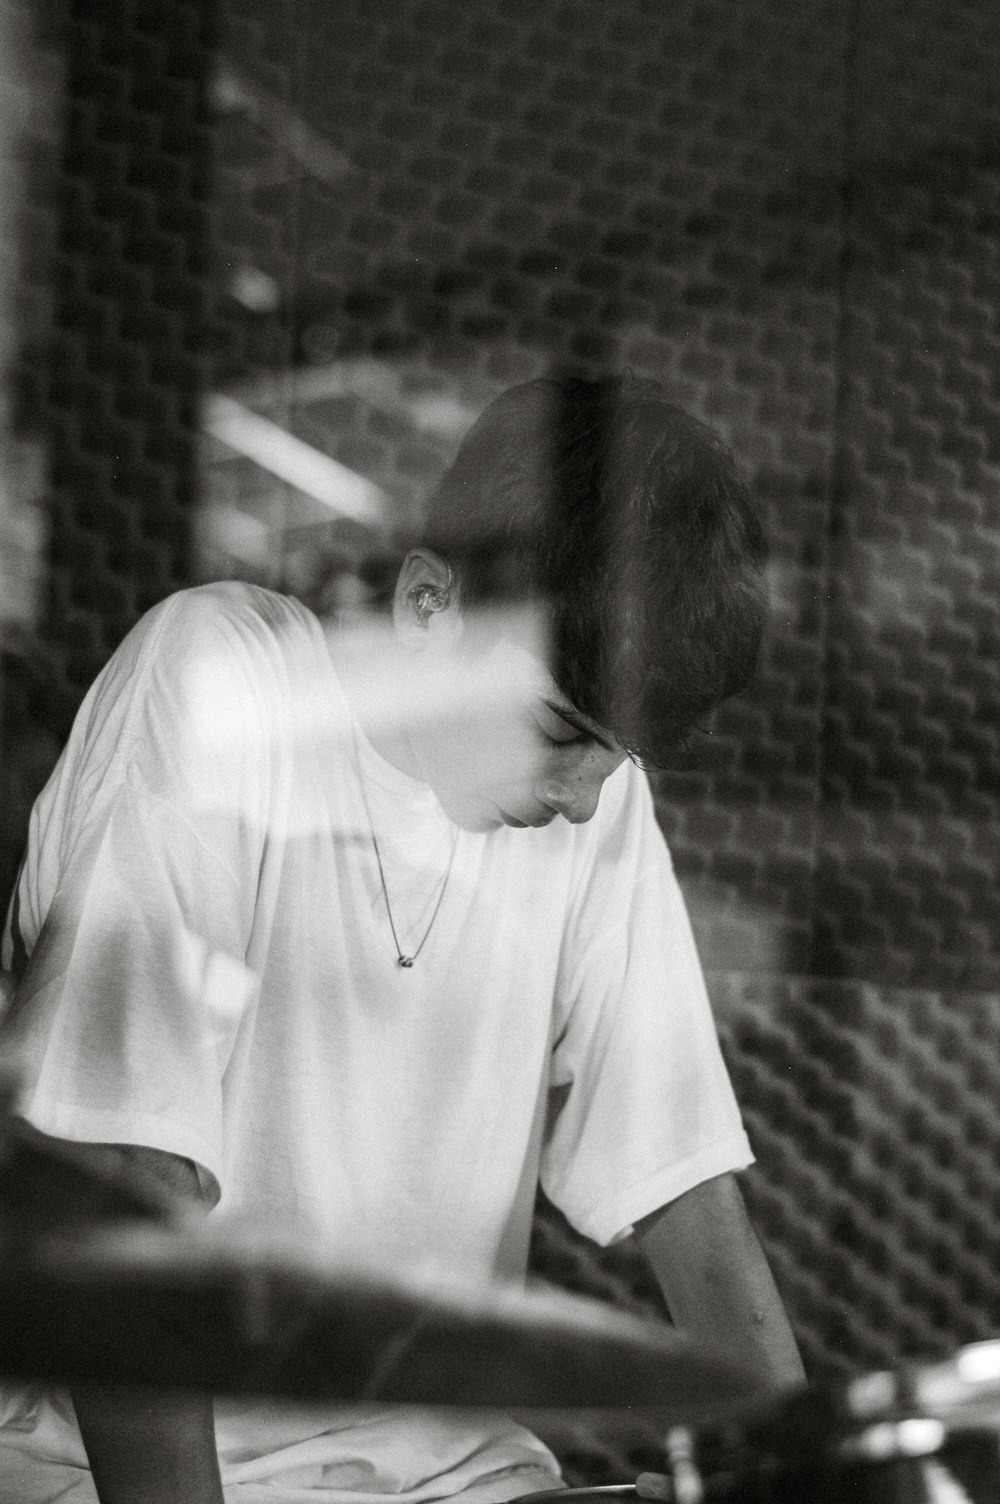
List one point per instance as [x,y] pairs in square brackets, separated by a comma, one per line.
[361,220]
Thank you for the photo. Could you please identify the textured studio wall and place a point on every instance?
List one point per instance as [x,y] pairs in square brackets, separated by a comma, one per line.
[359,221]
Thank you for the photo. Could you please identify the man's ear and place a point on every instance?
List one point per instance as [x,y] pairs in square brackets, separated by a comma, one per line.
[425,601]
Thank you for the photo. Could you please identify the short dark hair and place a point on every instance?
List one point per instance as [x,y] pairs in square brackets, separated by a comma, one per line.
[628,521]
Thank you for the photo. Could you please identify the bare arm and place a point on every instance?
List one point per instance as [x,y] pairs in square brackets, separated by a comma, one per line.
[146,1446]
[717,1282]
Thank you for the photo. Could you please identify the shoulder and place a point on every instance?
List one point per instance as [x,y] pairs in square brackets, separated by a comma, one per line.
[211,631]
[211,662]
[226,607]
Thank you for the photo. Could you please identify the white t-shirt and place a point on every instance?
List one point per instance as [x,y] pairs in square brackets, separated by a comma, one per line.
[213,973]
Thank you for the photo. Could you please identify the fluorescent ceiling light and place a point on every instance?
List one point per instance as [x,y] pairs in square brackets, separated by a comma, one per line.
[276,450]
[234,90]
[441,414]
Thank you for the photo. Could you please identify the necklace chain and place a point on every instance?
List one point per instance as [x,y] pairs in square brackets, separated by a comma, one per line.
[402,959]
[406,961]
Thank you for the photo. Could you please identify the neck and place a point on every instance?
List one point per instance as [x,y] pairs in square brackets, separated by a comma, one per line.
[378,682]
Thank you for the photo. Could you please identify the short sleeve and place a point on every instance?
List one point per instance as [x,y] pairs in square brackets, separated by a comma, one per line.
[136,902]
[646,1108]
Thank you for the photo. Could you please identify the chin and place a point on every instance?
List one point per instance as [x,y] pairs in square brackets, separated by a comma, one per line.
[481,824]
[481,815]
[475,819]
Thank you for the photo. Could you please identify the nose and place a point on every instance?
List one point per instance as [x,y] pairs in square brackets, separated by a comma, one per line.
[574,789]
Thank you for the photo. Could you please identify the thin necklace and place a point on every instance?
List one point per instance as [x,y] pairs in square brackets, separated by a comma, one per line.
[402,959]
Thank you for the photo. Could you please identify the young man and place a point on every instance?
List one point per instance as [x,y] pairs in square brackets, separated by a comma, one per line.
[359,932]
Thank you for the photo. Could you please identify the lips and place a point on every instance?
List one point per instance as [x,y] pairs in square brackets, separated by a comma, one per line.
[536,824]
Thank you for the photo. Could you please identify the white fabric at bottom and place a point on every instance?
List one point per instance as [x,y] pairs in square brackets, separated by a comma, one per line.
[44,1462]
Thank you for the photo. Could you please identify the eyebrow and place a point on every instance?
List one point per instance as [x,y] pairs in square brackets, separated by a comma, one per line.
[580,722]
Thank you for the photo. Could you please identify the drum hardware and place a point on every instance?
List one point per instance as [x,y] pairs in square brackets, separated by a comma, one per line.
[600,1493]
[682,1482]
[890,1440]
[958,1389]
[963,1390]
[922,1434]
[910,1473]
[686,1483]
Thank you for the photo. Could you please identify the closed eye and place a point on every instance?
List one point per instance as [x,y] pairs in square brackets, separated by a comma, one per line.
[564,723]
[556,729]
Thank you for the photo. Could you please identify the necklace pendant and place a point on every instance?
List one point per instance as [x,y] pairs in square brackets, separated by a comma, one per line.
[405,961]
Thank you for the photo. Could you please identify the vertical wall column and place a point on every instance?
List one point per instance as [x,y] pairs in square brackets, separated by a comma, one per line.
[125,371]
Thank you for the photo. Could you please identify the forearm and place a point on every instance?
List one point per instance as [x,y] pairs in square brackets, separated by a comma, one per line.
[149,1448]
[717,1282]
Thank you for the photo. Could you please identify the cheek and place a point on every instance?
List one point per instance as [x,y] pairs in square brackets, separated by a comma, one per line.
[502,752]
[498,767]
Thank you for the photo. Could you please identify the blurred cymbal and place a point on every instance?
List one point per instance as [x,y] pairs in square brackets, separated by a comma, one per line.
[962,1391]
[145,1306]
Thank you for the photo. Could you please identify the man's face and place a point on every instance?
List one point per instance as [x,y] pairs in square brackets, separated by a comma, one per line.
[509,748]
